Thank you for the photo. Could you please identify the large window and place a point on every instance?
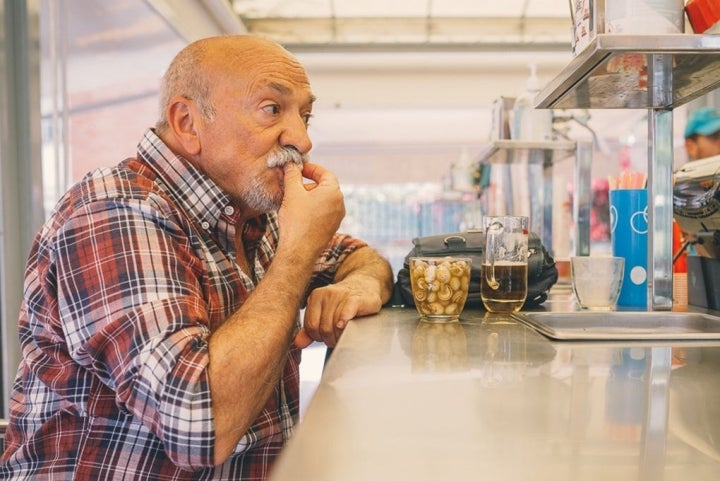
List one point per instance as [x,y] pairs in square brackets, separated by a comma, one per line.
[101,68]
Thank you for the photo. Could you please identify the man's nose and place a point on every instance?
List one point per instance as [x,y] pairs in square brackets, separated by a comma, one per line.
[296,135]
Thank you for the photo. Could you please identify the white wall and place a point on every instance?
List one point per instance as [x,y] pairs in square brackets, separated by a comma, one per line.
[407,116]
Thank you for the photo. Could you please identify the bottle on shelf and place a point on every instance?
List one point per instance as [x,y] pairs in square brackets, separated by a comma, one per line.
[529,123]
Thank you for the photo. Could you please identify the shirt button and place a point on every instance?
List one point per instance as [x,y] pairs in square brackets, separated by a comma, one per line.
[205,225]
[229,210]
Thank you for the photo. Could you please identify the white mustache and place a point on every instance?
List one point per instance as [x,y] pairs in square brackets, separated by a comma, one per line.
[285,155]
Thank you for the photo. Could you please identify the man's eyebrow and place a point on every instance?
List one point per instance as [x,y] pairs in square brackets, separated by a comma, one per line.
[280,88]
[283,90]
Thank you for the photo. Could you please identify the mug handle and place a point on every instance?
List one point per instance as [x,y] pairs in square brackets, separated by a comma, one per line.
[492,237]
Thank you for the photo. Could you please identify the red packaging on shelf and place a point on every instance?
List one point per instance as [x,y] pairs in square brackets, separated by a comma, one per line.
[702,14]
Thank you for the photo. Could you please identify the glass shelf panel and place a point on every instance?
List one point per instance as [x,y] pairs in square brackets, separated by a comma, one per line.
[615,72]
[522,151]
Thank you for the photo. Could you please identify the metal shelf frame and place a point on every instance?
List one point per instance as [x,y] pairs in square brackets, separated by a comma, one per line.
[544,154]
[658,73]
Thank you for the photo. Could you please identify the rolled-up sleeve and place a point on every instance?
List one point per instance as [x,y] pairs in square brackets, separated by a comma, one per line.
[132,306]
[341,245]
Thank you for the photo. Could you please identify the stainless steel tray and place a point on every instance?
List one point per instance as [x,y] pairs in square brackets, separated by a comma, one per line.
[619,325]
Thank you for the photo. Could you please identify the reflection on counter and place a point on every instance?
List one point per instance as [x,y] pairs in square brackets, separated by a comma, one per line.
[626,395]
[503,350]
[439,347]
[694,414]
[493,348]
[489,397]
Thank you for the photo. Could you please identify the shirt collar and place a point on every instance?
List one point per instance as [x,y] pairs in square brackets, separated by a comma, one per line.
[199,195]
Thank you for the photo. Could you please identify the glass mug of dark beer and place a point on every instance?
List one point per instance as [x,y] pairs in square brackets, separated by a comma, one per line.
[504,272]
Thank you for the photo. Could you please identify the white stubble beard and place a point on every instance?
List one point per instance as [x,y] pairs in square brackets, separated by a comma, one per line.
[259,197]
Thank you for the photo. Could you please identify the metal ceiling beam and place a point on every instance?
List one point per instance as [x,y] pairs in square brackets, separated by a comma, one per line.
[195,19]
[425,47]
[415,33]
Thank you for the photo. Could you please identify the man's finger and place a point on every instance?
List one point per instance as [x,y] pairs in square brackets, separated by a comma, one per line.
[302,340]
[292,173]
[318,174]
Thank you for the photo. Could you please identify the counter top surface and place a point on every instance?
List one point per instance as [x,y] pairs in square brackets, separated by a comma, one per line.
[488,397]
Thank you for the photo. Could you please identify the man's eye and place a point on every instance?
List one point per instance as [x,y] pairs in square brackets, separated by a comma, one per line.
[306,118]
[273,109]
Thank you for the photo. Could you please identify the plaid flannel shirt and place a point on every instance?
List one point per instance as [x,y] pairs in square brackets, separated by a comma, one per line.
[124,284]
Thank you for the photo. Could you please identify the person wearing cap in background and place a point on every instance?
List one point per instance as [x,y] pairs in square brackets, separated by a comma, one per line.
[702,133]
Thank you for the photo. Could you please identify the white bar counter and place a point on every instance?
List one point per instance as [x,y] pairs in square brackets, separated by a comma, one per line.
[489,398]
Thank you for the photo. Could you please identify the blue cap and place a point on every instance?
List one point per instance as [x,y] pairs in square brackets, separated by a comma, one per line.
[704,121]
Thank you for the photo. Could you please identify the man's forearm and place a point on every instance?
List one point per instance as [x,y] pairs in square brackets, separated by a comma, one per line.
[366,268]
[247,353]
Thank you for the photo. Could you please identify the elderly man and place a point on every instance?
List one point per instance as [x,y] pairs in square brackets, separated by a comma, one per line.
[160,331]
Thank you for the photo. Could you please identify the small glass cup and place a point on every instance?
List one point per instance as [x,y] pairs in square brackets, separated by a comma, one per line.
[440,286]
[596,281]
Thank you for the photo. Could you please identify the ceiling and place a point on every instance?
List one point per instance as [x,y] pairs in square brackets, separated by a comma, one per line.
[409,24]
[380,25]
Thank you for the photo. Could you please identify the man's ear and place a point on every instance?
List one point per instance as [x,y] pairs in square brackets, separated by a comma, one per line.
[182,116]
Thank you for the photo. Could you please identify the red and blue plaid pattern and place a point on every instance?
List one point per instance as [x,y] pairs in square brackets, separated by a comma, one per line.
[124,284]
